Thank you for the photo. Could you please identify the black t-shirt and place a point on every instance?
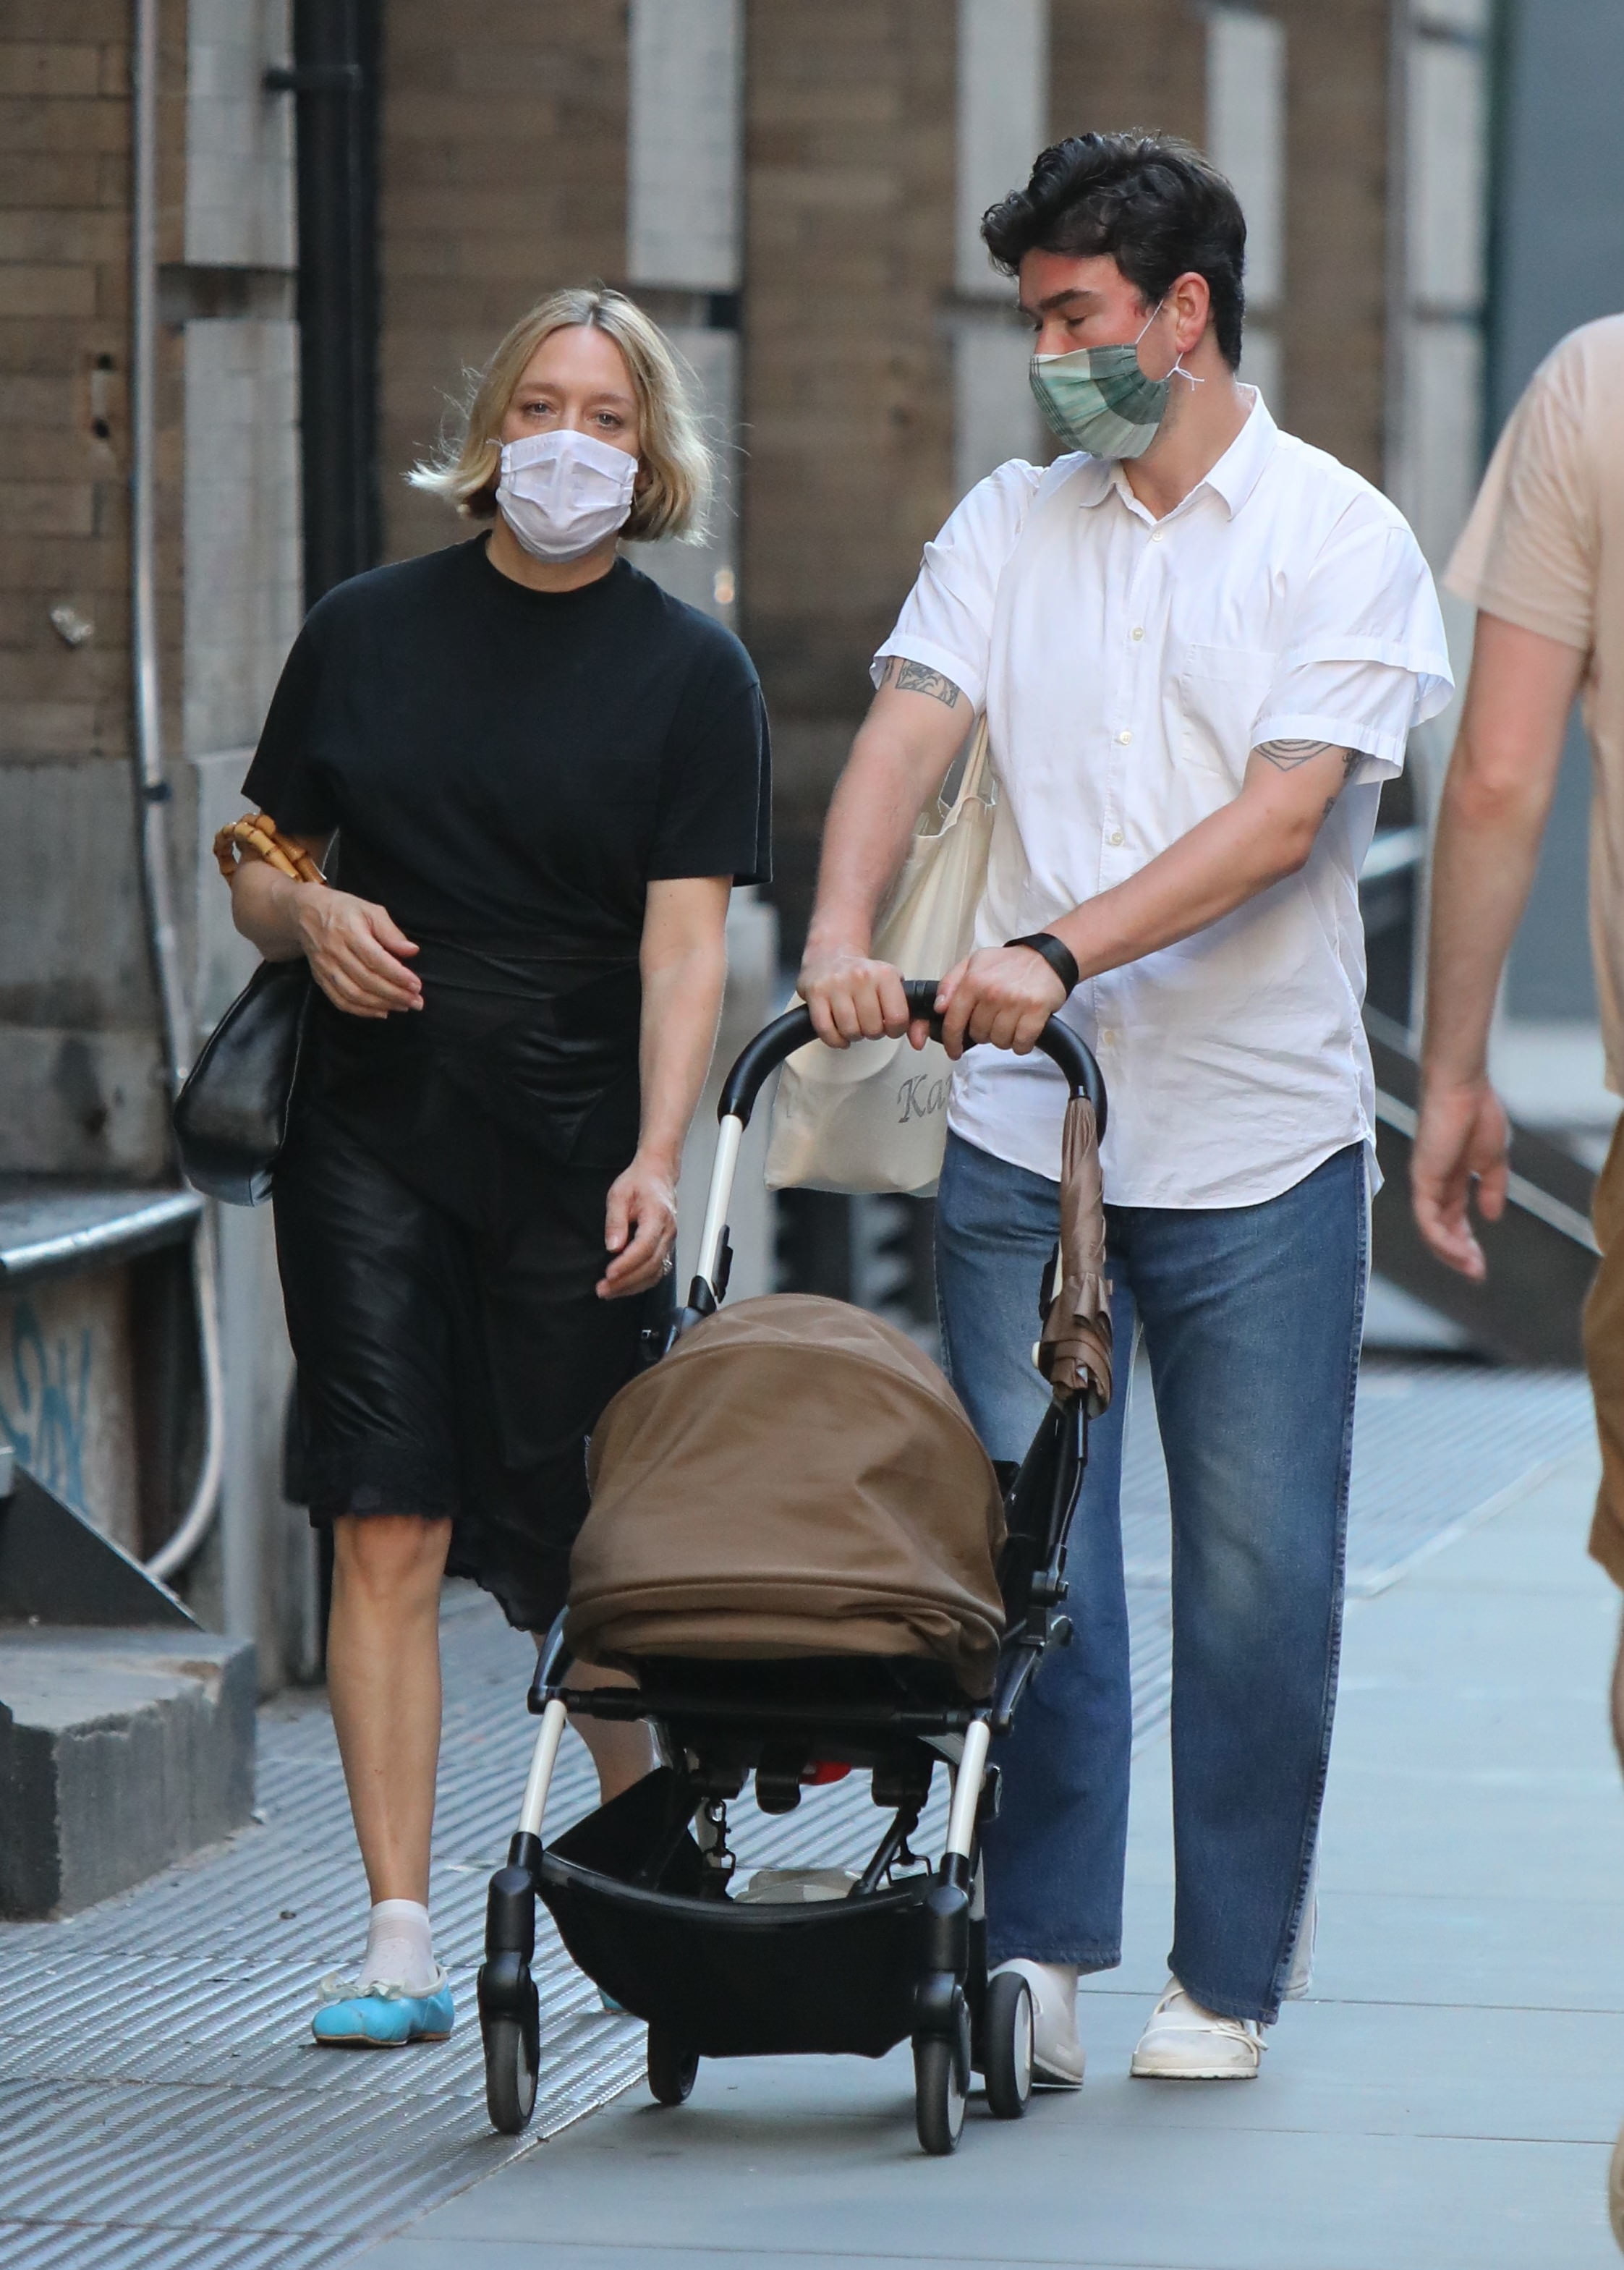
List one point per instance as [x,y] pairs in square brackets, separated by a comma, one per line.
[500,761]
[507,770]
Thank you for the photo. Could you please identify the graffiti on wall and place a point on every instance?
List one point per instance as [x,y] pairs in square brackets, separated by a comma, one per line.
[44,1400]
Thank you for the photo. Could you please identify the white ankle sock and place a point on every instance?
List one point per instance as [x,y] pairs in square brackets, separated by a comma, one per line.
[400,1948]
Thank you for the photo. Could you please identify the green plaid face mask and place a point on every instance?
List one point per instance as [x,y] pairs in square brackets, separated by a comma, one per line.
[1098,399]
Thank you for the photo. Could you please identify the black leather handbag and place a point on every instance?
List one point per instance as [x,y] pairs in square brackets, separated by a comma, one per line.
[231,1117]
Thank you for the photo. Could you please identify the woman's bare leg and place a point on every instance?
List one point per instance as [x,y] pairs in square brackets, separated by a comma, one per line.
[384,1683]
[622,1749]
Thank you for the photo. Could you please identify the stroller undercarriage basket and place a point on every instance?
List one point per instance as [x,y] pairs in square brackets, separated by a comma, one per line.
[724,1978]
[910,1676]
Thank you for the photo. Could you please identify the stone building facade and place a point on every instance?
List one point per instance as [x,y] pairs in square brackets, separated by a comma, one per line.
[873,364]
[794,191]
[98,1369]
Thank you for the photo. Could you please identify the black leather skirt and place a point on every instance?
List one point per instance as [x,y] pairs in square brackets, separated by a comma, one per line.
[439,1269]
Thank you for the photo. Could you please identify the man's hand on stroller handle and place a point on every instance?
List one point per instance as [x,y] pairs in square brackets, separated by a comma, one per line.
[852,996]
[1004,994]
[794,1029]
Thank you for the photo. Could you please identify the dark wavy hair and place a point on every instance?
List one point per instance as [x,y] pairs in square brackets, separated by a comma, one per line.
[1151,201]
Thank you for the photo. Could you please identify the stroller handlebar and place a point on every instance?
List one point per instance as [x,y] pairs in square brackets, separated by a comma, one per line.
[1064,1048]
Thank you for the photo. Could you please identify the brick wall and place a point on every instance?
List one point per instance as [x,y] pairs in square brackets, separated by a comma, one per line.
[1113,68]
[1336,238]
[78,1051]
[1146,66]
[502,176]
[847,392]
[848,377]
[64,300]
[75,1002]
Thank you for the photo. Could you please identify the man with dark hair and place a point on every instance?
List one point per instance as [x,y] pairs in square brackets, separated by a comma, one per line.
[1201,646]
[1154,206]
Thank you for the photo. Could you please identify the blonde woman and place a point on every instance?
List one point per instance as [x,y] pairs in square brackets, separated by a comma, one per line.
[542,776]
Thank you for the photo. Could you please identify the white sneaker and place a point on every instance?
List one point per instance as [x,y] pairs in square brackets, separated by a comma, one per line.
[1057,2053]
[1184,2042]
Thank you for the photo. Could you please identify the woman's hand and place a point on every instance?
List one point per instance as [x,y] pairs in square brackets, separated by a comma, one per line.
[640,1228]
[356,954]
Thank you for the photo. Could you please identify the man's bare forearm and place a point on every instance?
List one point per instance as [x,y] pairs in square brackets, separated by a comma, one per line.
[1484,857]
[1264,834]
[1497,798]
[902,751]
[865,840]
[1502,777]
[1196,882]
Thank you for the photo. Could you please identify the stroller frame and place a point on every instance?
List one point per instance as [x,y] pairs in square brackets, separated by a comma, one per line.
[886,1963]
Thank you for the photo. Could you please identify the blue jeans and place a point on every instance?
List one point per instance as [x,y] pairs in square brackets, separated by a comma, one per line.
[1251,1318]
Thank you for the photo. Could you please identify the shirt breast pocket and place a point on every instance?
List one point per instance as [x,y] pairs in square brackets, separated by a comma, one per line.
[1219,691]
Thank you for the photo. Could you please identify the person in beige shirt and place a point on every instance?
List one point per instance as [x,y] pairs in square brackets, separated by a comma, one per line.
[1542,559]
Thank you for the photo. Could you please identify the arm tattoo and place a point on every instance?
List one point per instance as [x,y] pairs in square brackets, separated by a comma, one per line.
[1351,758]
[915,678]
[1286,756]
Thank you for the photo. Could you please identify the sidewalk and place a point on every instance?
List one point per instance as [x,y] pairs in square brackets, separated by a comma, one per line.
[1445,2101]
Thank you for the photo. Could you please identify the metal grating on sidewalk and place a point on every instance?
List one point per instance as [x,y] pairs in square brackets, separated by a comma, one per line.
[160,2101]
[161,2106]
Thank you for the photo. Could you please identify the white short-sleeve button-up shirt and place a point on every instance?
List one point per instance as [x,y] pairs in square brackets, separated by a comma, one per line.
[1129,667]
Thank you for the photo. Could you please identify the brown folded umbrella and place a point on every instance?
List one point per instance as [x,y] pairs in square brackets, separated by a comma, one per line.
[1074,1353]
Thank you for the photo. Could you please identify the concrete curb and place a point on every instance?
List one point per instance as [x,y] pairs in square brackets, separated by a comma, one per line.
[120,1751]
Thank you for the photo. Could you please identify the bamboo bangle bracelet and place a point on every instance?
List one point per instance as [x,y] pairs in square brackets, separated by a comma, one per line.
[260,838]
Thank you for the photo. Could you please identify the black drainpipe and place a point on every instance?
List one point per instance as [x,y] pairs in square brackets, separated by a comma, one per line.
[334,81]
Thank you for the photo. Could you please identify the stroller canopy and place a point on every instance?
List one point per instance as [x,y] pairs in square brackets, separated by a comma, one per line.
[795,1478]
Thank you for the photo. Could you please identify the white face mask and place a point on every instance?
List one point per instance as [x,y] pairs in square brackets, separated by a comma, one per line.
[563,492]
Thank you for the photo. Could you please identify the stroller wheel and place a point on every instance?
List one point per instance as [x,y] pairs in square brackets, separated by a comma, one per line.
[673,2069]
[941,2085]
[509,2076]
[1007,2055]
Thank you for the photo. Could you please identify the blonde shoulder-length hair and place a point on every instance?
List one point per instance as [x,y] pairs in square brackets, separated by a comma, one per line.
[678,471]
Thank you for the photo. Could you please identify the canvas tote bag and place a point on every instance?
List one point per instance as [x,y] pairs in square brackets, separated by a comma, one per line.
[874,1117]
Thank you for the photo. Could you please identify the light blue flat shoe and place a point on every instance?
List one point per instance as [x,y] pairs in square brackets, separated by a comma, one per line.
[383,2017]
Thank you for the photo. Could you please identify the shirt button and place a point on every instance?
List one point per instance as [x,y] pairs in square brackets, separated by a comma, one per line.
[1156,536]
[1114,836]
[1138,630]
[1124,737]
[1109,1036]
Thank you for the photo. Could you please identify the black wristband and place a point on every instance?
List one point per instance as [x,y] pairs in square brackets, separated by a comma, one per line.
[1057,953]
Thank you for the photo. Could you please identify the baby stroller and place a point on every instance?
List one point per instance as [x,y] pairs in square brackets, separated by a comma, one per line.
[799,1596]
